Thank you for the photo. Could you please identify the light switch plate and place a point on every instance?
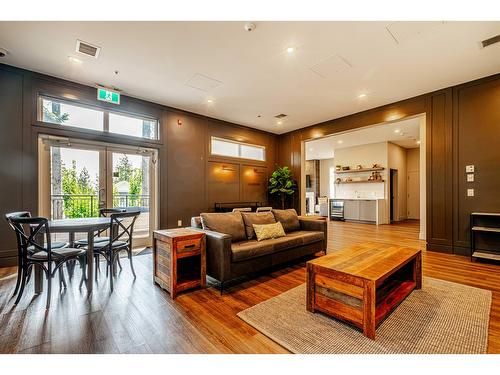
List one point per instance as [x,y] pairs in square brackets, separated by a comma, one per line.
[470,192]
[470,177]
[179,223]
[469,168]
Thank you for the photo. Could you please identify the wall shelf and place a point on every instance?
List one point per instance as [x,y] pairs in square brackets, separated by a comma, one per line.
[361,170]
[360,182]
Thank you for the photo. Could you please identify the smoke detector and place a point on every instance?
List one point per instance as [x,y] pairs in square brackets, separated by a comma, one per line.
[250,26]
[3,52]
[87,49]
[280,116]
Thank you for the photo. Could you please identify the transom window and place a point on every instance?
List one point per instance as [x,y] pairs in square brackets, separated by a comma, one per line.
[226,147]
[56,111]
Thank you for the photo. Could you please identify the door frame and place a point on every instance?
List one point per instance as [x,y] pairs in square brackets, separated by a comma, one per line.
[105,150]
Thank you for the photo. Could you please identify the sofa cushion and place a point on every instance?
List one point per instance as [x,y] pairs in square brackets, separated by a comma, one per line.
[250,249]
[307,236]
[250,218]
[288,218]
[267,231]
[284,243]
[245,250]
[227,222]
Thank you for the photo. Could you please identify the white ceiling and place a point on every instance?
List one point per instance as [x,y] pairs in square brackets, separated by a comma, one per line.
[248,74]
[404,133]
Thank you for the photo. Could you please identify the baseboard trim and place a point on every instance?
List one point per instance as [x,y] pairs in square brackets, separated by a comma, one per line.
[439,248]
[8,261]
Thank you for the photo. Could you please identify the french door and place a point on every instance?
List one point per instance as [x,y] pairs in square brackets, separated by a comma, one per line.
[77,178]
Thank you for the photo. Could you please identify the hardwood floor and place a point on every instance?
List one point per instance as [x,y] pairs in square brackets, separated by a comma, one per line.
[140,318]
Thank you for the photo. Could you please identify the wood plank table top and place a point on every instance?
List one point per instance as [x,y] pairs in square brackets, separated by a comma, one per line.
[369,260]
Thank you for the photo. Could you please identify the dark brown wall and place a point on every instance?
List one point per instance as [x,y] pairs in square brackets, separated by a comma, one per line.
[462,127]
[183,149]
[476,132]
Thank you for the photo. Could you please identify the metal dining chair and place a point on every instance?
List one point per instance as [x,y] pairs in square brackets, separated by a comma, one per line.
[54,245]
[264,209]
[32,254]
[121,235]
[98,238]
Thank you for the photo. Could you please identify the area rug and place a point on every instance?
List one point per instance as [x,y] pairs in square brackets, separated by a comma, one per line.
[441,318]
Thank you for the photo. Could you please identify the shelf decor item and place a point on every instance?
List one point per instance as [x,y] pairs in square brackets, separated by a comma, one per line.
[347,168]
[359,166]
[338,168]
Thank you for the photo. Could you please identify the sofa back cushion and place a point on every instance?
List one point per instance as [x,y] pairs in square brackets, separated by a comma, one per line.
[288,218]
[250,218]
[268,231]
[228,222]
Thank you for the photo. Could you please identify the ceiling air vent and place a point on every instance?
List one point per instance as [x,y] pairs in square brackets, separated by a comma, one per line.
[87,49]
[490,41]
[281,115]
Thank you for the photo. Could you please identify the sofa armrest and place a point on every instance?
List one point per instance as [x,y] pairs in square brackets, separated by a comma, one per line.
[218,246]
[316,225]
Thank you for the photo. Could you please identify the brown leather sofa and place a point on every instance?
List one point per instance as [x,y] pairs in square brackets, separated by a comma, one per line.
[233,250]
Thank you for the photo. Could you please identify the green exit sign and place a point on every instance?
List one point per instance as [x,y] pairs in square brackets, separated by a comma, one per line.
[107,95]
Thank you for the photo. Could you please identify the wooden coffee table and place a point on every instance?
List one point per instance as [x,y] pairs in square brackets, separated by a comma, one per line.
[363,284]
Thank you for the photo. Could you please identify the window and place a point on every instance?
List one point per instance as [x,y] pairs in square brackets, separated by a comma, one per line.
[60,112]
[133,126]
[57,112]
[225,147]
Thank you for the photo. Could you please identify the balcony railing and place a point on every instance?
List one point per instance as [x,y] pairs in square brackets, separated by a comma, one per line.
[87,205]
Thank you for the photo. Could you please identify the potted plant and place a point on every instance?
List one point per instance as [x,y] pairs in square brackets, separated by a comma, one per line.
[281,182]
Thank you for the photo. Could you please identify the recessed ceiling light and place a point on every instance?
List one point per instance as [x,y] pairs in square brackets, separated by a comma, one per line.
[290,49]
[210,101]
[279,122]
[418,142]
[361,96]
[397,131]
[74,60]
[340,141]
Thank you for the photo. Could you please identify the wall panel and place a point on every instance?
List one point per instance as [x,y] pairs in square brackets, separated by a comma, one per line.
[11,109]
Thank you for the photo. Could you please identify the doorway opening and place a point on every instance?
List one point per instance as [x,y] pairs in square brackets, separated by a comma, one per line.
[374,174]
[77,178]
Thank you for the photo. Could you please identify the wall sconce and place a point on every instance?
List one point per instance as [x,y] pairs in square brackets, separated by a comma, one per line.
[179,122]
[226,168]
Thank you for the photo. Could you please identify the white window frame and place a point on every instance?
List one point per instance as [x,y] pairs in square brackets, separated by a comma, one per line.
[239,148]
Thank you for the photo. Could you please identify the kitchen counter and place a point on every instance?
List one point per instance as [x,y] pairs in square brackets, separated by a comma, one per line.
[367,210]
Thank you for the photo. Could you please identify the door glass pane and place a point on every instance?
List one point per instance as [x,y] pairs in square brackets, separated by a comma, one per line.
[131,187]
[74,177]
[133,126]
[58,112]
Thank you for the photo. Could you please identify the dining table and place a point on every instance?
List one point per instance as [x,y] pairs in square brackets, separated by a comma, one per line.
[72,226]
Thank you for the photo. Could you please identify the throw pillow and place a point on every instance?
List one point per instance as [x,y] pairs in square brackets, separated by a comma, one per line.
[267,231]
[250,218]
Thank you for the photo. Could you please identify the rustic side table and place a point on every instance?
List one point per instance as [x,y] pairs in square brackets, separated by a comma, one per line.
[179,259]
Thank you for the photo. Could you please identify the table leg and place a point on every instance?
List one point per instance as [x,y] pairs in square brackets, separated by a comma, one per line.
[38,279]
[417,271]
[38,282]
[369,299]
[71,239]
[310,288]
[90,261]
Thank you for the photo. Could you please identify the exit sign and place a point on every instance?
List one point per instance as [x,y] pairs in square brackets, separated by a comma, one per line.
[107,95]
